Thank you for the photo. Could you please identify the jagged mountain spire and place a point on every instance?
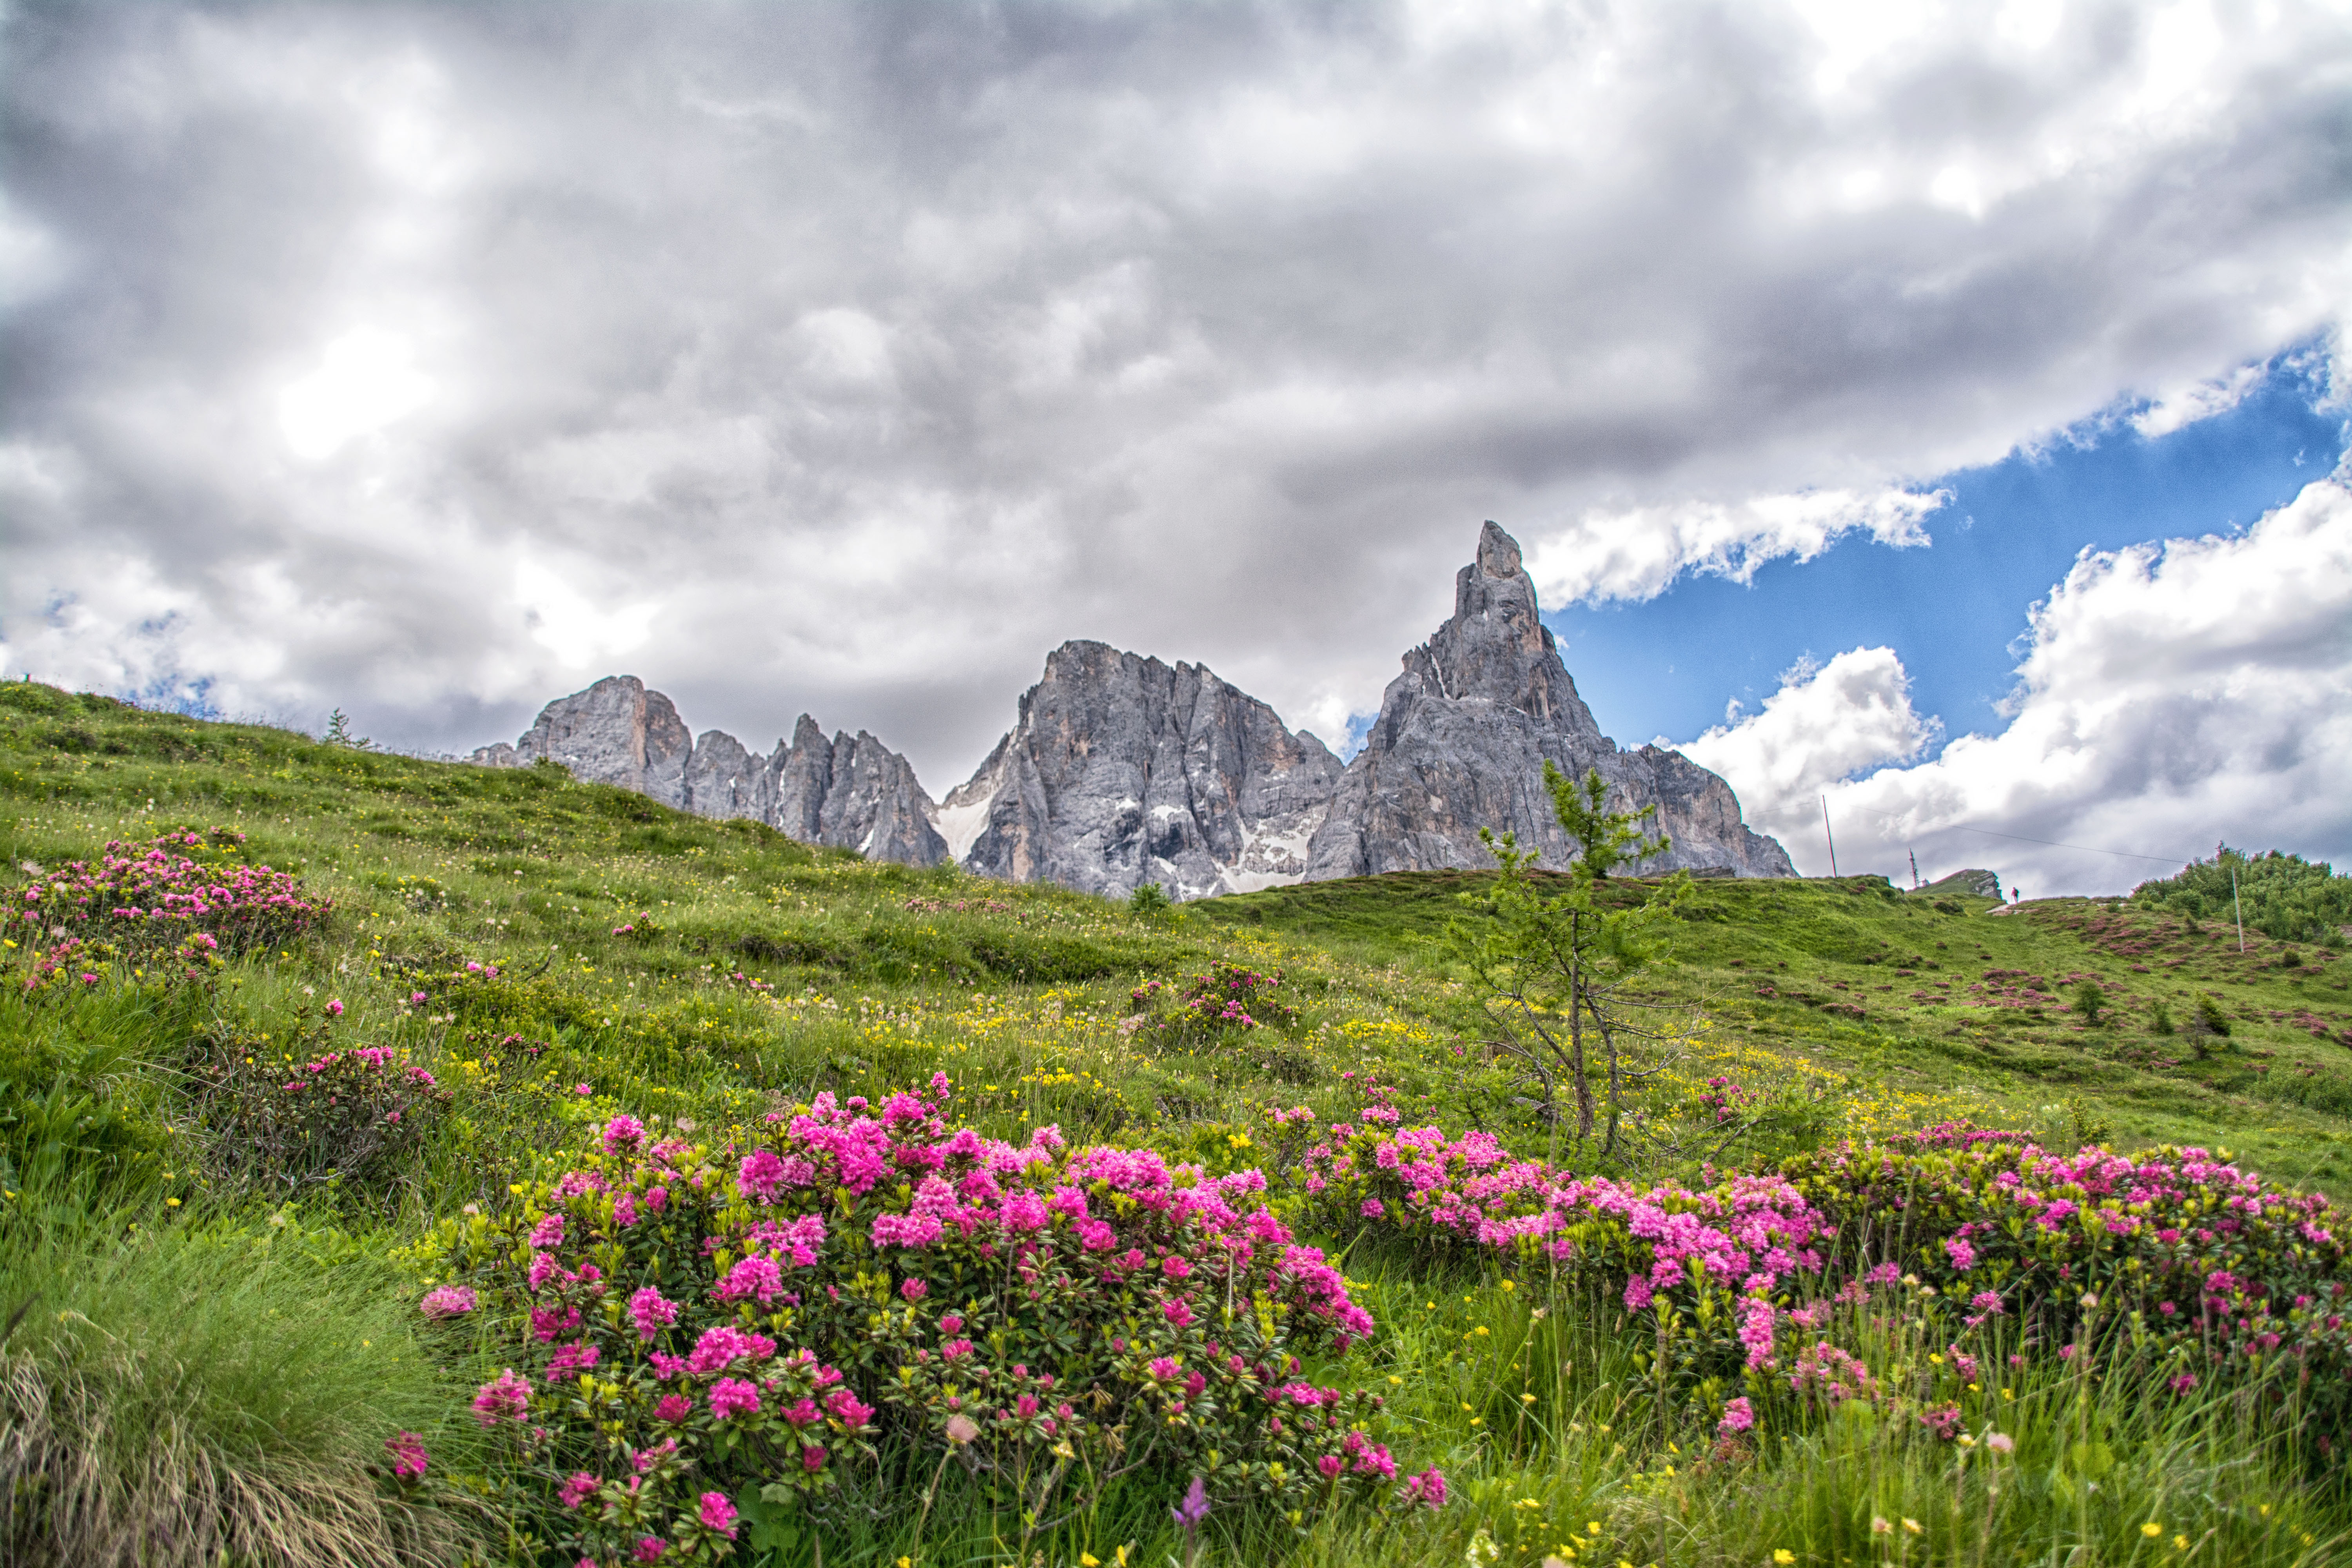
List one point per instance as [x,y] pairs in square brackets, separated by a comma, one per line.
[1462,736]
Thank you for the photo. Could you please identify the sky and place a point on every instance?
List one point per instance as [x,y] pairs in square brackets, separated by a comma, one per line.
[1958,391]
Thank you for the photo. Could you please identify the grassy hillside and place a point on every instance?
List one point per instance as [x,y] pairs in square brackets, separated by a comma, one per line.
[221,1212]
[1955,1007]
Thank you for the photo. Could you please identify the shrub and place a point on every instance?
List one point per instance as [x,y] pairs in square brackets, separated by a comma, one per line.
[286,1116]
[2208,1020]
[1148,899]
[2199,1267]
[2089,1000]
[2284,897]
[185,894]
[757,1322]
[1231,998]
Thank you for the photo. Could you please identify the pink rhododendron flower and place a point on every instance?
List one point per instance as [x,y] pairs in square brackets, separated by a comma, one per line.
[448,1301]
[408,1457]
[733,1396]
[1738,1416]
[907,1229]
[673,1408]
[761,1176]
[754,1277]
[571,1359]
[724,1344]
[505,1397]
[849,1410]
[650,1312]
[650,1547]
[578,1490]
[717,1514]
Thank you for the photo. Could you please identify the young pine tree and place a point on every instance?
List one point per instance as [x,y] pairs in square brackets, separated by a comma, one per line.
[1551,963]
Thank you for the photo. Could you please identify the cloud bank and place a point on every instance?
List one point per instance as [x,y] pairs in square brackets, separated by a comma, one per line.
[2171,696]
[429,361]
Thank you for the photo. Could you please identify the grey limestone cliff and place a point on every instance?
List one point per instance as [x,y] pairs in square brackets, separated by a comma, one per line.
[615,733]
[1464,734]
[851,792]
[1121,769]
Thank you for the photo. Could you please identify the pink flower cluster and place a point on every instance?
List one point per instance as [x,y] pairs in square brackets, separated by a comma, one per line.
[156,896]
[879,1237]
[1748,1234]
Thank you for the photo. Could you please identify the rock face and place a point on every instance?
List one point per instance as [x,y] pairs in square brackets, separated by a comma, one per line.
[615,733]
[1975,883]
[1121,769]
[851,792]
[1462,739]
[870,801]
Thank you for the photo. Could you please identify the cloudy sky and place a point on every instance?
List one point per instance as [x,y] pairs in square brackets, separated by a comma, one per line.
[1939,409]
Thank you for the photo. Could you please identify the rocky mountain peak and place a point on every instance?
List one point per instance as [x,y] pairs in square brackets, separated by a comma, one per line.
[1121,769]
[1462,735]
[1495,649]
[850,792]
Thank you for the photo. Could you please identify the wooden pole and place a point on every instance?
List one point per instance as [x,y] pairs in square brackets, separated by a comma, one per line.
[1828,835]
[2238,905]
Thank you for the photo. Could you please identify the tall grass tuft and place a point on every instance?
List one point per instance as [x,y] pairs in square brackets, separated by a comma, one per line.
[175,1394]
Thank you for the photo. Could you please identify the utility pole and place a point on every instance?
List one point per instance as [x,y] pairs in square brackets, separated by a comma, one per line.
[2238,905]
[1828,835]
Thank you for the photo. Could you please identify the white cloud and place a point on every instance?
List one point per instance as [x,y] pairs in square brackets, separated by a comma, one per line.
[1826,723]
[366,379]
[1637,553]
[885,347]
[562,619]
[2172,696]
[31,259]
[2199,400]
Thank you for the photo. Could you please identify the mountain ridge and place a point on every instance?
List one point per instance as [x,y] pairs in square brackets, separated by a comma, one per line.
[1121,769]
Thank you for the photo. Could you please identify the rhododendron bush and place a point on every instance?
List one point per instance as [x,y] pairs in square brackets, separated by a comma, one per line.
[1230,997]
[753,1323]
[308,1108]
[182,894]
[2169,1259]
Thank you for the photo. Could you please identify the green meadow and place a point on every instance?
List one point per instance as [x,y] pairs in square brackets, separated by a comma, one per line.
[212,1308]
